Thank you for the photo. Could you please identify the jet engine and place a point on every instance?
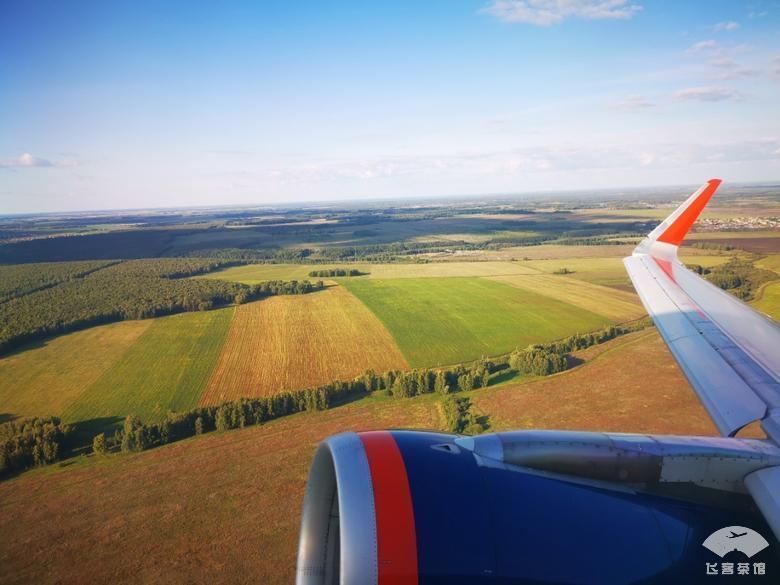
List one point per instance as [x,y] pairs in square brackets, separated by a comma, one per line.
[524,507]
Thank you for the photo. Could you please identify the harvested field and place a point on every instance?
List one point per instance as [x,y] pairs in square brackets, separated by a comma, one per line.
[256,273]
[292,342]
[615,305]
[46,378]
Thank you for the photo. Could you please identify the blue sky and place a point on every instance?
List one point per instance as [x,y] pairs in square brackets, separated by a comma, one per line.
[107,104]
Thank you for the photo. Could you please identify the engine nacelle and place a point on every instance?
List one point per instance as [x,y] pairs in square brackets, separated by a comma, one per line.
[419,507]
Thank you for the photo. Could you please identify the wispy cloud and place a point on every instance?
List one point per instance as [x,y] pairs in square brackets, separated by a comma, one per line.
[25,160]
[726,26]
[523,161]
[632,103]
[707,94]
[549,12]
[707,45]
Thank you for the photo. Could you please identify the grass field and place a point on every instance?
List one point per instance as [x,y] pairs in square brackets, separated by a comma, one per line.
[449,320]
[771,262]
[609,271]
[166,369]
[47,379]
[629,385]
[768,300]
[292,342]
[225,507]
[256,273]
[612,304]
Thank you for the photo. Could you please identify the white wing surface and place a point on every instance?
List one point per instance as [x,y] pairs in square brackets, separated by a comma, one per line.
[729,352]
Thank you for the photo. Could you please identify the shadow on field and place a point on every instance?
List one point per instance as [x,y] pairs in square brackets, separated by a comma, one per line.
[7,417]
[84,431]
[504,376]
[573,362]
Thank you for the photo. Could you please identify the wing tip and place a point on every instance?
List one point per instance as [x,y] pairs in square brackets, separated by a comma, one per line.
[679,228]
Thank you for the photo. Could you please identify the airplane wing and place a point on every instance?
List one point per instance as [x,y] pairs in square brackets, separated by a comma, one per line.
[729,352]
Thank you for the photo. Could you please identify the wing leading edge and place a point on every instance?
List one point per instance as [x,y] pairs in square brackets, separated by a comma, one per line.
[729,352]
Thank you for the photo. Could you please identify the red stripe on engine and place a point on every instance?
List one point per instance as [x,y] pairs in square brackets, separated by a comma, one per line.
[676,232]
[396,538]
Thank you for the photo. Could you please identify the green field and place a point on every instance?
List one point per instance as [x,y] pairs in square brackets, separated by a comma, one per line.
[45,379]
[166,369]
[449,320]
[769,300]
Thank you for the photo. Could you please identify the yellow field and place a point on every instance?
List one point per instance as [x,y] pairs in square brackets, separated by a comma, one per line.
[46,380]
[768,301]
[448,269]
[613,304]
[610,270]
[771,262]
[256,273]
[291,342]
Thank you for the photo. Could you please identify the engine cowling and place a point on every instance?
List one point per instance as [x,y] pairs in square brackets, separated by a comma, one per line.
[419,507]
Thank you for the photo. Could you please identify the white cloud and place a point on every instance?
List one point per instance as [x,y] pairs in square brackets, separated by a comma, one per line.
[25,160]
[707,94]
[704,45]
[549,12]
[726,26]
[630,103]
[526,161]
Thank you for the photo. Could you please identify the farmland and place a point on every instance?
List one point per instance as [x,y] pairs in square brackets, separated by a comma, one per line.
[47,379]
[768,300]
[167,368]
[291,343]
[225,507]
[610,303]
[449,320]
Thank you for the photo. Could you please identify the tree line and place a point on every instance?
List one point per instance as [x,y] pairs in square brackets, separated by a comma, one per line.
[135,289]
[542,360]
[331,272]
[37,441]
[31,442]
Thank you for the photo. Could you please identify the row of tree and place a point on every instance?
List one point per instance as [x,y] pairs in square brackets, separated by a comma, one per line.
[136,289]
[541,360]
[30,442]
[331,272]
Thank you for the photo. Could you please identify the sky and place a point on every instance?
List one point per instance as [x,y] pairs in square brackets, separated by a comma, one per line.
[107,104]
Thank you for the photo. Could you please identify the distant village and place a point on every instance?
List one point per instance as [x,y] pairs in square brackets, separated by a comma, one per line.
[738,224]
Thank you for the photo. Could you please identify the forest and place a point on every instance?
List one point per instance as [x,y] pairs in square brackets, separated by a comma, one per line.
[135,289]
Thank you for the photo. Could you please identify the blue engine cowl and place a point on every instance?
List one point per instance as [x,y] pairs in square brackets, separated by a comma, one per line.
[415,507]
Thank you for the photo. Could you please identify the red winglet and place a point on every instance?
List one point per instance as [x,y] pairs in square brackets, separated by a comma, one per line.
[396,538]
[676,232]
